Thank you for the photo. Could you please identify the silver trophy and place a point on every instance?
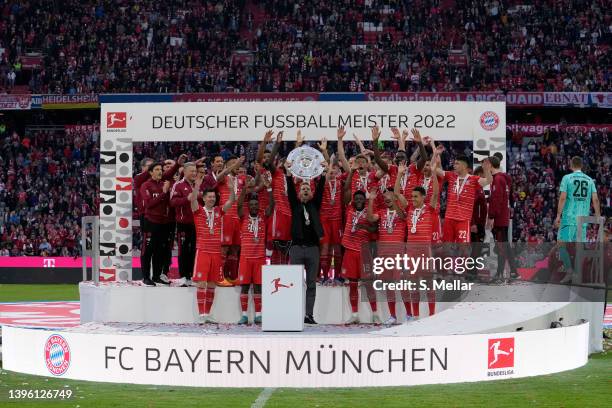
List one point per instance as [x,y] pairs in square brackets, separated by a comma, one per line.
[306,162]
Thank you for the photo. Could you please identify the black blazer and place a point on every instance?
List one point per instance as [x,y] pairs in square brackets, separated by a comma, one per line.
[313,207]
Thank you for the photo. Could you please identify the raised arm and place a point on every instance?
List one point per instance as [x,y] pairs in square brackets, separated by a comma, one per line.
[227,170]
[397,189]
[262,146]
[268,185]
[401,139]
[362,148]
[370,214]
[196,192]
[434,184]
[346,190]
[241,197]
[299,139]
[291,195]
[422,152]
[279,139]
[488,177]
[318,196]
[323,148]
[341,156]
[381,163]
[232,198]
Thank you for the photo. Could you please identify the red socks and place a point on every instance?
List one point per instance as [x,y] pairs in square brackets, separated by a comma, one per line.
[210,298]
[353,296]
[325,266]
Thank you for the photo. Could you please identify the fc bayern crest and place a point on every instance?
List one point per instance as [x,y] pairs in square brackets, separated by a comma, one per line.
[489,120]
[57,354]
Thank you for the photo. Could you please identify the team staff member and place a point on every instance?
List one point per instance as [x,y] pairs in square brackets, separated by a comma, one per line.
[499,217]
[185,228]
[155,193]
[306,231]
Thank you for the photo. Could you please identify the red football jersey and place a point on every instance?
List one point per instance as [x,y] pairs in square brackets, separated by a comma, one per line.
[331,205]
[461,196]
[279,192]
[209,225]
[391,226]
[420,224]
[224,192]
[353,238]
[425,182]
[253,236]
[363,183]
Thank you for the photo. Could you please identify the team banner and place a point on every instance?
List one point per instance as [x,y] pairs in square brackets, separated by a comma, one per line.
[378,359]
[15,102]
[535,129]
[246,121]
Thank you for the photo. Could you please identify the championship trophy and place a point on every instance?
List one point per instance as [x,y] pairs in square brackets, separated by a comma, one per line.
[306,162]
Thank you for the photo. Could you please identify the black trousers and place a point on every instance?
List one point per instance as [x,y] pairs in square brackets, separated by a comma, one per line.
[309,257]
[155,245]
[168,248]
[504,250]
[186,237]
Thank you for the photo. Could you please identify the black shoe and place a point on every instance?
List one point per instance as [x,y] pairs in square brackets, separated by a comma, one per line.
[308,319]
[161,282]
[148,282]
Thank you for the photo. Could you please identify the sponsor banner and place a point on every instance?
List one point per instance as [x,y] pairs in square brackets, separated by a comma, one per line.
[73,129]
[15,102]
[511,98]
[78,101]
[56,262]
[246,97]
[534,129]
[483,122]
[293,360]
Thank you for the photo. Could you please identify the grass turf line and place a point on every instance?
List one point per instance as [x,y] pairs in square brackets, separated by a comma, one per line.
[38,293]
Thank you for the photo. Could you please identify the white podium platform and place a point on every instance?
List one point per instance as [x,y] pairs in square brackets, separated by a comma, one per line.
[131,302]
[282,294]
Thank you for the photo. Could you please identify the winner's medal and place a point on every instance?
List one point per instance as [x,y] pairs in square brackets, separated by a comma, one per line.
[415,219]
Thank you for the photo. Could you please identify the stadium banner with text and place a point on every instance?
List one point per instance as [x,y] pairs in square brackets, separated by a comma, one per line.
[246,96]
[378,359]
[248,121]
[76,101]
[512,99]
[15,102]
[75,129]
[535,129]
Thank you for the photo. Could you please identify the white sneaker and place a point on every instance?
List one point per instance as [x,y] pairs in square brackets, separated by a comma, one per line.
[390,321]
[410,318]
[181,282]
[164,278]
[376,319]
[353,319]
[188,282]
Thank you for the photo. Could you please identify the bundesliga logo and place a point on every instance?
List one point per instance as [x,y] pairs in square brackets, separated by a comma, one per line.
[501,353]
[489,120]
[116,120]
[57,355]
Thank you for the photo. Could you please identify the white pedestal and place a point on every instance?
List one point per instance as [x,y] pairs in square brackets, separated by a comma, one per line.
[282,293]
[120,302]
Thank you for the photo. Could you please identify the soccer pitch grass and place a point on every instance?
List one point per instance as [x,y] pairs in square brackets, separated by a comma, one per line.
[588,386]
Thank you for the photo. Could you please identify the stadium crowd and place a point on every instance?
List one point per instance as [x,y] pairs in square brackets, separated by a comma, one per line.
[287,45]
[48,181]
